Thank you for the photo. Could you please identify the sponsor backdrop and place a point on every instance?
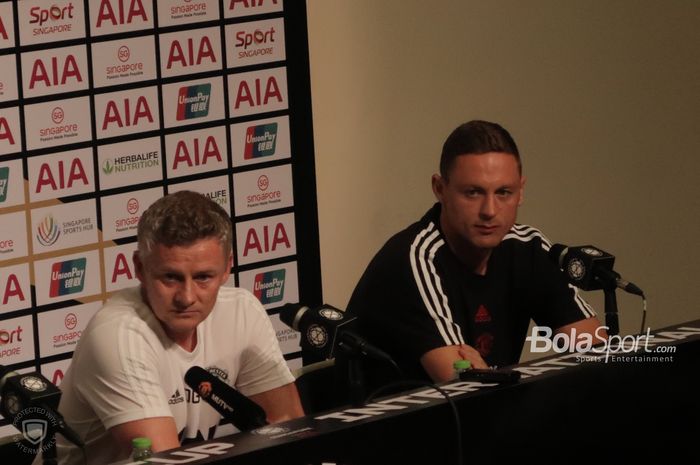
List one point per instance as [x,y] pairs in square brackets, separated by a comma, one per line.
[107,105]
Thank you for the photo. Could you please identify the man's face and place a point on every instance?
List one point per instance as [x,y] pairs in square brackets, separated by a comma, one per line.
[479,200]
[181,283]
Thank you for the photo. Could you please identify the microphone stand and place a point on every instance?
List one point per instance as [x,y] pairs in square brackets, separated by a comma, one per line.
[356,381]
[351,361]
[611,320]
[48,447]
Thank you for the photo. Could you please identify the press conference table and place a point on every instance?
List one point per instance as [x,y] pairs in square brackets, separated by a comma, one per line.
[565,409]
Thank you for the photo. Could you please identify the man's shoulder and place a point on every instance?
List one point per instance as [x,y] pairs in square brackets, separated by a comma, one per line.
[123,304]
[240,300]
[124,313]
[523,236]
[421,235]
[235,294]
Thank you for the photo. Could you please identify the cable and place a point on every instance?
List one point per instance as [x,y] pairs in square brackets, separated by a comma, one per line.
[416,383]
[644,313]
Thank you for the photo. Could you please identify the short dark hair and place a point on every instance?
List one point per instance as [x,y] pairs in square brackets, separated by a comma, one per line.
[181,219]
[475,138]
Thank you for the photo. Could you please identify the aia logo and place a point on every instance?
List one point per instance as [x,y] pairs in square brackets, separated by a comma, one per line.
[57,115]
[132,206]
[263,183]
[257,91]
[190,53]
[266,240]
[123,54]
[70,321]
[11,289]
[3,31]
[56,70]
[57,377]
[65,177]
[120,12]
[198,154]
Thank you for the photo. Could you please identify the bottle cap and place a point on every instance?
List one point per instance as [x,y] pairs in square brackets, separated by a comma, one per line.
[141,443]
[462,364]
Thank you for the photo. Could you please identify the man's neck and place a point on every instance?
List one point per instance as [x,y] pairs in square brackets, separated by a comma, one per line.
[187,342]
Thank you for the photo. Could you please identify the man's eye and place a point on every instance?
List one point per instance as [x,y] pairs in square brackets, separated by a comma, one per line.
[472,192]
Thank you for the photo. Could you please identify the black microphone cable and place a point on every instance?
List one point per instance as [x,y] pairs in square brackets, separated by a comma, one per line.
[410,383]
[644,313]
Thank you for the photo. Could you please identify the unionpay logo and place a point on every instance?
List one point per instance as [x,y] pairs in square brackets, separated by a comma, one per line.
[67,277]
[268,287]
[193,101]
[4,182]
[260,141]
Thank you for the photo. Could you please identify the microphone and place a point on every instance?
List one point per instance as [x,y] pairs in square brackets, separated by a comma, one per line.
[325,329]
[35,397]
[236,408]
[590,268]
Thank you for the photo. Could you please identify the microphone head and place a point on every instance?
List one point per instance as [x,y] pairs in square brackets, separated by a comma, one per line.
[243,412]
[5,374]
[557,253]
[291,314]
[197,378]
[584,265]
[319,328]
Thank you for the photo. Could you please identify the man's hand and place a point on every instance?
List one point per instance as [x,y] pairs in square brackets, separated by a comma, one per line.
[160,430]
[438,363]
[280,404]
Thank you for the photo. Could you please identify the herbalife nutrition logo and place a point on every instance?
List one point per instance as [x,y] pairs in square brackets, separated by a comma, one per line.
[4,182]
[133,162]
[260,141]
[193,101]
[67,277]
[269,286]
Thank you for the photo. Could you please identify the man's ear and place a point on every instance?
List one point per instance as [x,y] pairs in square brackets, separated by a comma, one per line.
[522,190]
[229,265]
[438,183]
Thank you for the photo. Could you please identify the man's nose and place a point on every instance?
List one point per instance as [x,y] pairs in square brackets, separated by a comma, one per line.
[184,297]
[488,207]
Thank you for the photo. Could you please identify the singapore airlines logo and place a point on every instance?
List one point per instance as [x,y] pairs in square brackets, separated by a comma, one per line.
[48,231]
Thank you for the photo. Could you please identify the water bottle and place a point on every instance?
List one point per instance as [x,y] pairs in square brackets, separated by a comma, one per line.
[461,365]
[141,448]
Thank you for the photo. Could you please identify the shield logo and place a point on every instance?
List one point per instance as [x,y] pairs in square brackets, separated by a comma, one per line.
[34,431]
